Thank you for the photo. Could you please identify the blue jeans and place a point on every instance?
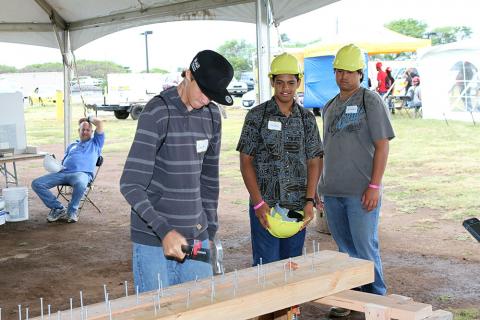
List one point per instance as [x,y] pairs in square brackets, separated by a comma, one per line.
[355,231]
[78,181]
[271,248]
[149,262]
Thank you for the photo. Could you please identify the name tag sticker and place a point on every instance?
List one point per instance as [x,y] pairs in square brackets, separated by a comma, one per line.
[351,109]
[202,145]
[274,125]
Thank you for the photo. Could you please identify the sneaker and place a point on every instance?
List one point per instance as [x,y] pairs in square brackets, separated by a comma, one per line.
[72,217]
[55,214]
[338,312]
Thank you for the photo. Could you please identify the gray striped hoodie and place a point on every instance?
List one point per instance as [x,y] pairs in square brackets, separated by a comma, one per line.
[168,179]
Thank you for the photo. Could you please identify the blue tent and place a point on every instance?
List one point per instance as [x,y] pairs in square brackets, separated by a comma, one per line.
[320,85]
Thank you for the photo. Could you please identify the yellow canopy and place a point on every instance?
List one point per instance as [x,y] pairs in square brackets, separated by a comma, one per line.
[373,42]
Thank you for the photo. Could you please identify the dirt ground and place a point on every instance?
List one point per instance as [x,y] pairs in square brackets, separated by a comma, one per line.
[433,261]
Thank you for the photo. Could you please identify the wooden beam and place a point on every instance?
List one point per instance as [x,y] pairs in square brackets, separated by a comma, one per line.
[258,290]
[400,308]
[440,315]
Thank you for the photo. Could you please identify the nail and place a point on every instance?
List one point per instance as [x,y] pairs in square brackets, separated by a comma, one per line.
[41,308]
[105,292]
[212,296]
[71,309]
[49,311]
[19,312]
[81,305]
[154,306]
[136,292]
[126,288]
[258,273]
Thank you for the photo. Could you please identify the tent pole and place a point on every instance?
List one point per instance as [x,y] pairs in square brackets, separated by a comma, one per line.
[67,109]
[263,50]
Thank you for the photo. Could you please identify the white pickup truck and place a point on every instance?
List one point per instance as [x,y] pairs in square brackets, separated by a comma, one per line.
[128,93]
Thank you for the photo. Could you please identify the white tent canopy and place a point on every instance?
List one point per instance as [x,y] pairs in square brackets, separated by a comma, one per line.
[70,24]
[450,81]
[88,20]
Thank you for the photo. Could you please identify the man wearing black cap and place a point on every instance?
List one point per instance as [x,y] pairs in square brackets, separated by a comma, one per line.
[170,177]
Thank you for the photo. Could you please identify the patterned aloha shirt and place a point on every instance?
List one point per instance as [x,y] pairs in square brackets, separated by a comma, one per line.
[281,147]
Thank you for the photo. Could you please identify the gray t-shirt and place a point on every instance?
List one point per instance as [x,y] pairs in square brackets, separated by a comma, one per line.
[349,131]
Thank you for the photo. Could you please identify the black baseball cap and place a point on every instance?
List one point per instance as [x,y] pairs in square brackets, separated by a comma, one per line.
[213,73]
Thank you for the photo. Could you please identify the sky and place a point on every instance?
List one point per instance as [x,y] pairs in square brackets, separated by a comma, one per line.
[172,45]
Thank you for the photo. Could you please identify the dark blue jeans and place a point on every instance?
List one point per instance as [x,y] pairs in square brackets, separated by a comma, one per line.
[43,184]
[149,263]
[270,248]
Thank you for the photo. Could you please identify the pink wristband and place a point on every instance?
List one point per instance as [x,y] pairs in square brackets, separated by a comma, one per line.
[258,205]
[374,186]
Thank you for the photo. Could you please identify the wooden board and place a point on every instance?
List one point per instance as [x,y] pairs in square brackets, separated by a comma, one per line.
[399,308]
[258,290]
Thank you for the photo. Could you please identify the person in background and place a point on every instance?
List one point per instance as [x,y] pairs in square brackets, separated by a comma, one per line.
[77,169]
[414,95]
[389,83]
[410,73]
[389,80]
[171,175]
[381,79]
[356,135]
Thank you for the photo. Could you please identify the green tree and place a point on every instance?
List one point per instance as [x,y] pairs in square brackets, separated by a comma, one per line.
[239,53]
[7,69]
[99,69]
[43,67]
[409,27]
[449,34]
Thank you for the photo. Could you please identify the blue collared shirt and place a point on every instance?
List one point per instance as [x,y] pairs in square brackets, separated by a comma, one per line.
[81,156]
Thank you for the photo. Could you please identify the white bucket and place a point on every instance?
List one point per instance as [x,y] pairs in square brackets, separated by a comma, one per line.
[16,203]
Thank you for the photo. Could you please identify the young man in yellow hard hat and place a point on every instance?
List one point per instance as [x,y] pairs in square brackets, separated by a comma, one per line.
[356,134]
[280,160]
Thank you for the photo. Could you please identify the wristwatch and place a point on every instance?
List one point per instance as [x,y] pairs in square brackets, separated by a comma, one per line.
[312,200]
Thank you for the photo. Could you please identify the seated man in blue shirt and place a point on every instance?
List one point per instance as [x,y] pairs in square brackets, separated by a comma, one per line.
[78,169]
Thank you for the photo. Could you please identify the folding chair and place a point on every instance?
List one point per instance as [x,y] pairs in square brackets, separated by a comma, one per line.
[400,104]
[65,192]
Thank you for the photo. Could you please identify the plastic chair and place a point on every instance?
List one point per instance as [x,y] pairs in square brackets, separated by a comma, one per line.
[64,190]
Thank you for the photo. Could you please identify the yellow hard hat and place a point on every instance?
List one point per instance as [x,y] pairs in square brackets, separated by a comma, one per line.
[285,64]
[281,226]
[349,58]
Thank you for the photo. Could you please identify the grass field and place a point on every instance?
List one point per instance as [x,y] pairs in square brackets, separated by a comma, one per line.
[431,164]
